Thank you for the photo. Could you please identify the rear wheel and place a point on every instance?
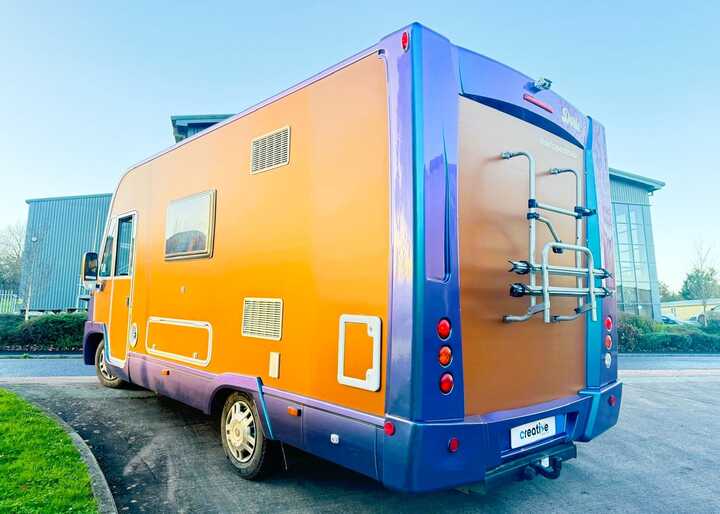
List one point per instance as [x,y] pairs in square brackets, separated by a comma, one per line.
[245,445]
[102,370]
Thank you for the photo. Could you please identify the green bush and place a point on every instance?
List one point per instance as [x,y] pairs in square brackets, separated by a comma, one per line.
[48,332]
[641,335]
[9,324]
[676,341]
[632,329]
[713,327]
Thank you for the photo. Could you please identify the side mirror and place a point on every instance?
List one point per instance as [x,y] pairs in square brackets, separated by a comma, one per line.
[89,269]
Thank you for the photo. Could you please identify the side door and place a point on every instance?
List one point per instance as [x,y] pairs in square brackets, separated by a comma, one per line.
[122,289]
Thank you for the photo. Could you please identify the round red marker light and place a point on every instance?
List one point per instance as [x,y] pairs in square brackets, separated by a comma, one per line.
[405,41]
[445,356]
[608,342]
[446,383]
[612,400]
[444,328]
[453,444]
[608,323]
[389,428]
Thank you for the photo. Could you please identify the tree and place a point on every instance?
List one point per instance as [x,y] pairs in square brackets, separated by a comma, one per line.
[12,243]
[702,281]
[667,294]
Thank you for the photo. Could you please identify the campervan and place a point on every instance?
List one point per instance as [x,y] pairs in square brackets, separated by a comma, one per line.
[403,265]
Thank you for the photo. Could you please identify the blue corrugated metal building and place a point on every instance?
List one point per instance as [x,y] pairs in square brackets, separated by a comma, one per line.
[59,230]
[636,272]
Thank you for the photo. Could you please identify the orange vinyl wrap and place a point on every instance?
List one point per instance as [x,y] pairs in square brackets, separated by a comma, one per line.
[314,232]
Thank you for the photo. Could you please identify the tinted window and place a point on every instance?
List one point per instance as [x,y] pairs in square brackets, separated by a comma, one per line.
[106,264]
[189,226]
[123,264]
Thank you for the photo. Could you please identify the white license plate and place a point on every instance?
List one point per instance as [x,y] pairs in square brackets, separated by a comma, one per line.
[530,432]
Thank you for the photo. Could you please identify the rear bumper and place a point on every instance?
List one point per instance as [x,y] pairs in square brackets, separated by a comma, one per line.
[416,457]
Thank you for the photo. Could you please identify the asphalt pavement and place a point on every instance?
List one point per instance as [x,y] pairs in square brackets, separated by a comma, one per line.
[18,365]
[658,361]
[52,365]
[161,456]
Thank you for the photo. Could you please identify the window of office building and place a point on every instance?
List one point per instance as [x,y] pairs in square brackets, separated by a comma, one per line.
[631,257]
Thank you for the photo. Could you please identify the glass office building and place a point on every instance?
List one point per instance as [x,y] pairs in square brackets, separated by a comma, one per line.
[636,273]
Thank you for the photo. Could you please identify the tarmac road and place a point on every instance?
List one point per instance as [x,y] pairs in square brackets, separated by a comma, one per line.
[11,365]
[161,456]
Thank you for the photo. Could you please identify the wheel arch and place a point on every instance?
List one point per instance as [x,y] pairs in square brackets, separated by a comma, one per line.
[219,397]
[93,335]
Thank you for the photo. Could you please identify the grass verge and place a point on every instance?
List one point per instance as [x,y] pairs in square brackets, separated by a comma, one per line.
[40,469]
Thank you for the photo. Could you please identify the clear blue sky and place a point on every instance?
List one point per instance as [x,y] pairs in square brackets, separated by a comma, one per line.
[87,88]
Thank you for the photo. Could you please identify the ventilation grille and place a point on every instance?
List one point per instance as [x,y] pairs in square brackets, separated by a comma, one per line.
[270,151]
[262,317]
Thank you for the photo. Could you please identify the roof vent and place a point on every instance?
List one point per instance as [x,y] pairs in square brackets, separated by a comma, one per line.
[262,317]
[270,151]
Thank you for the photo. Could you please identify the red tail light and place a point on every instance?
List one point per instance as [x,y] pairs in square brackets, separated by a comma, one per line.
[612,400]
[444,328]
[453,444]
[389,428]
[608,323]
[445,356]
[405,41]
[608,342]
[446,383]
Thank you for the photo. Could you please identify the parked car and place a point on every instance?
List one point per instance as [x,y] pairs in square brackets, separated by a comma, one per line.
[711,315]
[670,320]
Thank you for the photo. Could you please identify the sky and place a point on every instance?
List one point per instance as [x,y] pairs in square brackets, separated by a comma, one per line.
[87,88]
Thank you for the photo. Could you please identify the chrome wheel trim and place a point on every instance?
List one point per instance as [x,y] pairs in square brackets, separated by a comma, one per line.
[102,366]
[240,431]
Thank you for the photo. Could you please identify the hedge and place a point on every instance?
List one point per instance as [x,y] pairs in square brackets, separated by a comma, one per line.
[63,332]
[50,332]
[640,335]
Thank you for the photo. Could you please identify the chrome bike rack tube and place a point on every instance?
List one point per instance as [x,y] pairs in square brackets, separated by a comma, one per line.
[582,273]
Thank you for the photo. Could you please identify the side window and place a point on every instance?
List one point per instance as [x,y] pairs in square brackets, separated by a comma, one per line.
[123,263]
[189,226]
[107,256]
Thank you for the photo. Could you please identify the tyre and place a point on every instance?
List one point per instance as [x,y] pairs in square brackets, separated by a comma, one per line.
[102,370]
[245,444]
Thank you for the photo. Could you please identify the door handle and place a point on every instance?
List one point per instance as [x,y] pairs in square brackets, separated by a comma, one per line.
[127,301]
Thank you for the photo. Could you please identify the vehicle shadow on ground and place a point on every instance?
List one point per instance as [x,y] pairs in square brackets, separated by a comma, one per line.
[159,455]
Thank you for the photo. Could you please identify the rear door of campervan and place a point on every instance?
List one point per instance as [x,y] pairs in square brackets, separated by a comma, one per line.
[511,365]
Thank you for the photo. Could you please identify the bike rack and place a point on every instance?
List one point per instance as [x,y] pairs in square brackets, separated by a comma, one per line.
[586,275]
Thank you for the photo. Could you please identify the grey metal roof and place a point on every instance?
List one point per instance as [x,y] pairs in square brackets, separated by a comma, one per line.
[186,125]
[648,183]
[65,198]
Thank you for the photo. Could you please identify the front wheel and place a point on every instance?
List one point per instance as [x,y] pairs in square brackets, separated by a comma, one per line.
[102,370]
[245,445]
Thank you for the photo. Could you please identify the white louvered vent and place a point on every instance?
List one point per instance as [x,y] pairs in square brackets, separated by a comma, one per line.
[262,317]
[270,151]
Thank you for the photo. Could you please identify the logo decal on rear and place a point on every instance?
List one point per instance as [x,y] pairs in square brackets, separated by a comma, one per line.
[555,147]
[569,120]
